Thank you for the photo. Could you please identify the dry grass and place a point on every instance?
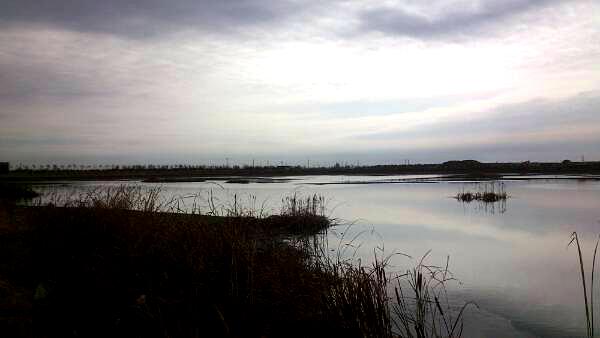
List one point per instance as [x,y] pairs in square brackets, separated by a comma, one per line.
[297,205]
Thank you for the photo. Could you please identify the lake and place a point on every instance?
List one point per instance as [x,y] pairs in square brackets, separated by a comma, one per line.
[511,260]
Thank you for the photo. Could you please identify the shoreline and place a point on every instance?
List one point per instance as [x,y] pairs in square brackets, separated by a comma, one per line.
[470,169]
[448,178]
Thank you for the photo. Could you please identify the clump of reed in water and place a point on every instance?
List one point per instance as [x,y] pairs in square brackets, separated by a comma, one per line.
[296,205]
[487,193]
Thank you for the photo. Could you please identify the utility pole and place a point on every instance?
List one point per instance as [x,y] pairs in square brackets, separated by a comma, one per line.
[226,162]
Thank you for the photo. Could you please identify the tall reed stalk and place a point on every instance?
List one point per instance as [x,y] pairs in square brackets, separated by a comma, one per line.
[425,310]
[588,302]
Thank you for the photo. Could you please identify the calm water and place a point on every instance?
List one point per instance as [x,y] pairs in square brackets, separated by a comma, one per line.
[514,264]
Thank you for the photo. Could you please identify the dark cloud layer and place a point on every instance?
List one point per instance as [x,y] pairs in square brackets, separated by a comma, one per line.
[146,18]
[154,18]
[452,21]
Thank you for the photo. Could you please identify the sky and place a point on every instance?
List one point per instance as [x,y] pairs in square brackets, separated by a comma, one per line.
[198,81]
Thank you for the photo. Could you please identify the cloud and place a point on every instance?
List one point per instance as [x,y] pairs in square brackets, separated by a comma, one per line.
[537,129]
[23,83]
[452,20]
[116,79]
[147,18]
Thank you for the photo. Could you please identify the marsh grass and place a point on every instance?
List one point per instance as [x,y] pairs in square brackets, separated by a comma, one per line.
[123,262]
[208,202]
[298,205]
[425,310]
[378,302]
[121,197]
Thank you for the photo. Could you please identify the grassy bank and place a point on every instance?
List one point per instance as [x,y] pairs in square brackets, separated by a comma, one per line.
[100,269]
[104,272]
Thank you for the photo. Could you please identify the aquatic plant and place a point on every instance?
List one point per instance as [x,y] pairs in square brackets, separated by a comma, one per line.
[588,302]
[427,312]
[297,205]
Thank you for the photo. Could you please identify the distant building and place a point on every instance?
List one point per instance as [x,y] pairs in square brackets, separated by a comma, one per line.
[4,166]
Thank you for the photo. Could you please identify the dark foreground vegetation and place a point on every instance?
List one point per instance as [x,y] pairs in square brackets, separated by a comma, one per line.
[14,192]
[467,169]
[115,265]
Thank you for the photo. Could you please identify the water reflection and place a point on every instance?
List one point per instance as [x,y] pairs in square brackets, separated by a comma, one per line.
[485,207]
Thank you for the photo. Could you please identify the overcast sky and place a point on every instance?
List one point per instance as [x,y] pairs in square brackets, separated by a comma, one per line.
[192,81]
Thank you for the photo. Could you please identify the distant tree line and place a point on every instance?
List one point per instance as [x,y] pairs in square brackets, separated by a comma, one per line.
[144,171]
